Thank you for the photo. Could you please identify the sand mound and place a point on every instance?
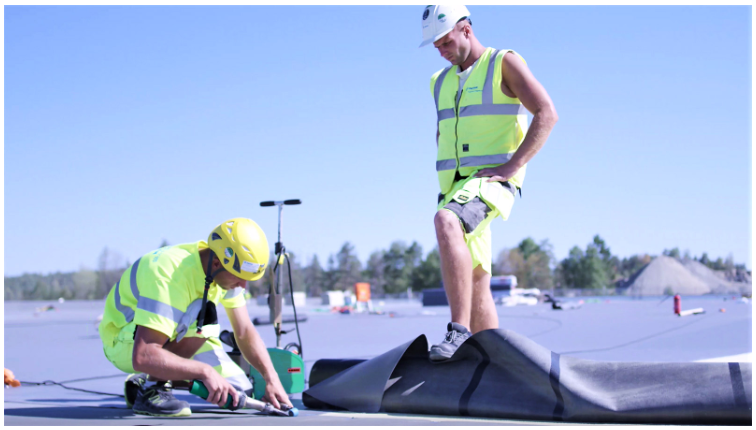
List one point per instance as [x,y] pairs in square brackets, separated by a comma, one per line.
[662,275]
[716,281]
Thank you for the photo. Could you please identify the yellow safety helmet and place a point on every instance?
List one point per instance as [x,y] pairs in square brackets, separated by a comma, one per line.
[242,248]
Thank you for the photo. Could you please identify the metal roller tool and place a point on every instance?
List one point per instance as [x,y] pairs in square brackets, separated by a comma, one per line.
[245,402]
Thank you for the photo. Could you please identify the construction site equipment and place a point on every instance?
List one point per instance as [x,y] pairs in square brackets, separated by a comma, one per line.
[245,402]
[287,362]
[275,299]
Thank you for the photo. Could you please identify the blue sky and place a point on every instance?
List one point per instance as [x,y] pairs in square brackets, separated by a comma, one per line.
[125,126]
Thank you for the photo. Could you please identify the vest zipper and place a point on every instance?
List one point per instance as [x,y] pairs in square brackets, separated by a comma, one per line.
[456,134]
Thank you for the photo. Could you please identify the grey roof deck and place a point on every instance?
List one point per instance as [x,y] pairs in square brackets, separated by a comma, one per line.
[63,345]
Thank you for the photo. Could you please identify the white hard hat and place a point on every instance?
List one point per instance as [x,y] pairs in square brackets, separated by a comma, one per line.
[439,20]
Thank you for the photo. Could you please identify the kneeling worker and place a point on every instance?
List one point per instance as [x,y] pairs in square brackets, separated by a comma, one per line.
[160,319]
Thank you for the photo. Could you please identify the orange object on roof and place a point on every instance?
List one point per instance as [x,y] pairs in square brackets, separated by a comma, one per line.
[362,290]
[9,379]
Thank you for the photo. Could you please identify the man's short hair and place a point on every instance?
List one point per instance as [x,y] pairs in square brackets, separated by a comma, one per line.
[465,18]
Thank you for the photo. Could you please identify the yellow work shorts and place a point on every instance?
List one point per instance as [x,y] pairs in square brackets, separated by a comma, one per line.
[476,203]
[211,352]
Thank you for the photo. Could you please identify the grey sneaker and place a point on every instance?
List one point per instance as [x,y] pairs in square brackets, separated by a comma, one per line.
[131,387]
[159,401]
[456,336]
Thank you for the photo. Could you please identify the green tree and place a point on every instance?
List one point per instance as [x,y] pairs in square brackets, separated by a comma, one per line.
[297,274]
[110,267]
[40,291]
[314,278]
[718,264]
[399,263]
[344,269]
[674,252]
[704,259]
[528,247]
[375,270]
[729,263]
[529,262]
[569,270]
[85,285]
[629,266]
[268,281]
[595,268]
[428,273]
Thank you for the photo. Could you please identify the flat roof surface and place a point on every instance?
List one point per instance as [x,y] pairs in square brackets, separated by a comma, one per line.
[63,346]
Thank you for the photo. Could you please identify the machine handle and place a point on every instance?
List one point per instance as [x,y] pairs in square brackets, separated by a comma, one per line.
[199,389]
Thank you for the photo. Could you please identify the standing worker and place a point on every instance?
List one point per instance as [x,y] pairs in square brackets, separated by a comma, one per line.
[483,146]
[160,319]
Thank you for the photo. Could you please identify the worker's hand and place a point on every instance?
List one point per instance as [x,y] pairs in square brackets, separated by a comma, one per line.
[500,173]
[219,388]
[275,394]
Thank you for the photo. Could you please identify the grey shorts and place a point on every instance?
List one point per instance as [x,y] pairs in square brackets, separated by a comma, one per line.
[473,212]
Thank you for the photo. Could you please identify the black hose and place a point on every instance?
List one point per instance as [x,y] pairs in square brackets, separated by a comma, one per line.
[296,320]
[49,382]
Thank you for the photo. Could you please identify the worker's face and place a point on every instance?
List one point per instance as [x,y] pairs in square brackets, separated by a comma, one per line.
[226,279]
[455,46]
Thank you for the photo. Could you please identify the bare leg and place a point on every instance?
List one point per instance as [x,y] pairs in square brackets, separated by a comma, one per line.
[456,265]
[484,315]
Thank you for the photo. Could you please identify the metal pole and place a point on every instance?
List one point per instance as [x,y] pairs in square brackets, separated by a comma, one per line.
[275,298]
[276,308]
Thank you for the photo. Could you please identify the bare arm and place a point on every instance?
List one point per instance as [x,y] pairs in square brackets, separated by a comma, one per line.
[253,349]
[518,78]
[520,82]
[150,357]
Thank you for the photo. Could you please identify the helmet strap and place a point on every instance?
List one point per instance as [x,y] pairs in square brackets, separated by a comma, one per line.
[208,280]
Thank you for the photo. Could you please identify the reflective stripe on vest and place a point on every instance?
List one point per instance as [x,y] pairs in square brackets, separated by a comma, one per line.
[230,294]
[143,303]
[160,308]
[480,160]
[479,126]
[132,279]
[487,106]
[492,109]
[128,314]
[213,358]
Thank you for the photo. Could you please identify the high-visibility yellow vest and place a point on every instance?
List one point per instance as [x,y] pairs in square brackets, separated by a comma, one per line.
[157,290]
[479,126]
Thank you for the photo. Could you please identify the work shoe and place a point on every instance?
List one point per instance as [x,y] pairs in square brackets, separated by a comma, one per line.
[158,400]
[131,387]
[456,336]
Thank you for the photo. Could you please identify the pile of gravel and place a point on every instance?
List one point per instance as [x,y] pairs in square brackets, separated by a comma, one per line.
[665,274]
[717,282]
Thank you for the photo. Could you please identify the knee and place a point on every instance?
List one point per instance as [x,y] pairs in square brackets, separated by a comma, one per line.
[445,222]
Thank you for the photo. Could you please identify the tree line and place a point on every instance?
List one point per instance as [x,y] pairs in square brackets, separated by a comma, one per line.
[395,270]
